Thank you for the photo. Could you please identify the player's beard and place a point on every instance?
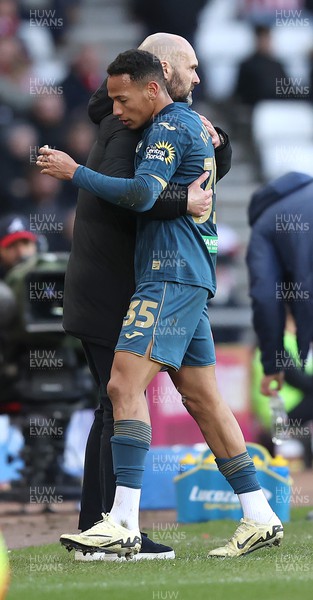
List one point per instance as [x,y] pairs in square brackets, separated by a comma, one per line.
[177,90]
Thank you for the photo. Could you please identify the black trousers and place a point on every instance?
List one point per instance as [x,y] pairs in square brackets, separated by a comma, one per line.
[98,480]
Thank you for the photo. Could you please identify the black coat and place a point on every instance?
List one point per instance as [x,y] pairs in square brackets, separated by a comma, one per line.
[258,79]
[280,263]
[99,280]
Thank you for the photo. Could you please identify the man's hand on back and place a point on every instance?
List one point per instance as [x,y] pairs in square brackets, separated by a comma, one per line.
[216,141]
[199,200]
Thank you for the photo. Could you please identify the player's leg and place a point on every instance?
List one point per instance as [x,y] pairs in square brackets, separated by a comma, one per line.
[199,390]
[141,350]
[130,377]
[98,480]
[119,529]
[202,399]
[152,306]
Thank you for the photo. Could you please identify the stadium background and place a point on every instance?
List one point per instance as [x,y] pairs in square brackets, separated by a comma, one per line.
[53,55]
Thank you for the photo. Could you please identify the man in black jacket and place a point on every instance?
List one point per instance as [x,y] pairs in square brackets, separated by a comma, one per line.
[100,276]
[260,73]
[279,258]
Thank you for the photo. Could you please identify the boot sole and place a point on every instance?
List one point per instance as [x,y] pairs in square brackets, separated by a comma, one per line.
[127,552]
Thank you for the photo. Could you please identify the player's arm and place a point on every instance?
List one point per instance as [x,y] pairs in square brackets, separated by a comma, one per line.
[139,193]
[175,201]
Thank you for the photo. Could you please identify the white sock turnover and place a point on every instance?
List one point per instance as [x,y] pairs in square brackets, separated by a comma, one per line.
[255,506]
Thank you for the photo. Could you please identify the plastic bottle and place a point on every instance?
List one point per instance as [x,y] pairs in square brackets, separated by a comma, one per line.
[279,426]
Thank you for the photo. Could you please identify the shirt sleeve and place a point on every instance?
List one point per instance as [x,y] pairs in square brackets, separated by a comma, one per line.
[138,194]
[162,155]
[165,146]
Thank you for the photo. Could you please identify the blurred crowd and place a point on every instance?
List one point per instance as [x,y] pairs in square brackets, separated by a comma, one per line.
[247,47]
[43,100]
[45,83]
[250,52]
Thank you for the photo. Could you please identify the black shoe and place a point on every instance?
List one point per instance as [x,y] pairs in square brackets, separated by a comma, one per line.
[151,550]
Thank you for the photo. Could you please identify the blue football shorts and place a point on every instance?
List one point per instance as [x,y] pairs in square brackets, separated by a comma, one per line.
[174,318]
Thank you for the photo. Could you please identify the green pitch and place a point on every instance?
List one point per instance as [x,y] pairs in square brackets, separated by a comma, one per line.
[49,572]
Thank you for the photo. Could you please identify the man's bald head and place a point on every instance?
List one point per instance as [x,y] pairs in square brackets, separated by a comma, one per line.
[166,46]
[179,63]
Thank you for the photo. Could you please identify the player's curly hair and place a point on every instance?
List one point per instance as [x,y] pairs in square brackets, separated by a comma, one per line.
[139,65]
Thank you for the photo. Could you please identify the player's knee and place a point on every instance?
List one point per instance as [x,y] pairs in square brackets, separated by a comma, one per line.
[120,391]
[115,389]
[190,403]
[185,401]
[200,402]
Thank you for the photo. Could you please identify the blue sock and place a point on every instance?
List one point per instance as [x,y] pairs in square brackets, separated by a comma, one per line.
[130,444]
[240,473]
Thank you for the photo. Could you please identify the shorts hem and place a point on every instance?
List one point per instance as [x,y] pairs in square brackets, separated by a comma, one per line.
[211,364]
[166,364]
[129,351]
[153,358]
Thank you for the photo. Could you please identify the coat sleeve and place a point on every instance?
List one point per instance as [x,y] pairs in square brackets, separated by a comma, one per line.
[223,155]
[118,154]
[171,203]
[265,277]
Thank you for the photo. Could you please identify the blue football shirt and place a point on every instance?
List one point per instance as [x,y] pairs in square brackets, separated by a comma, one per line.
[177,148]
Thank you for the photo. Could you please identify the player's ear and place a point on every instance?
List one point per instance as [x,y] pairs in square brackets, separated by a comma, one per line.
[152,89]
[167,69]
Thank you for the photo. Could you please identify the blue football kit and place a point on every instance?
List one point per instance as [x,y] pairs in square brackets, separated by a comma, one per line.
[174,260]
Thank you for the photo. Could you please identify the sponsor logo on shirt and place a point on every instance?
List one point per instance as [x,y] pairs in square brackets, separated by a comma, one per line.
[211,243]
[168,126]
[163,151]
[139,146]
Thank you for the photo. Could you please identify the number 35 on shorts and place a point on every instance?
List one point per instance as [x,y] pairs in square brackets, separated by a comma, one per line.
[140,314]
